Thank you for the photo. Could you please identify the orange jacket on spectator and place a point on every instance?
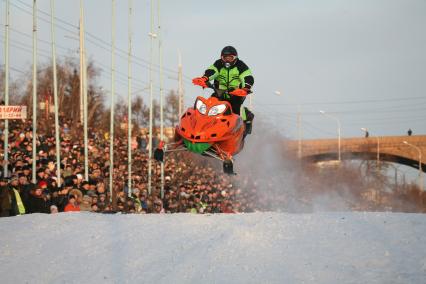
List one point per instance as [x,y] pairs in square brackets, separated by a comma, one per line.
[69,208]
[227,208]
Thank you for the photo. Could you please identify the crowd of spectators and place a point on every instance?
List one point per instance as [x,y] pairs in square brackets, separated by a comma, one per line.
[192,184]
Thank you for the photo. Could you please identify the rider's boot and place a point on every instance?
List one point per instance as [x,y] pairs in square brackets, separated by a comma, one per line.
[228,167]
[248,121]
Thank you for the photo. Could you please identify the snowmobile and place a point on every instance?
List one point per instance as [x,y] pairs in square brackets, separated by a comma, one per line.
[209,128]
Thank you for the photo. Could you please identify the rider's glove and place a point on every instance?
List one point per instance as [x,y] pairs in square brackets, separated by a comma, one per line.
[239,92]
[200,81]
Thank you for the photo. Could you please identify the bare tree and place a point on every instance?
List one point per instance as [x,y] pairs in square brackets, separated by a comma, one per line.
[171,110]
[140,112]
[68,93]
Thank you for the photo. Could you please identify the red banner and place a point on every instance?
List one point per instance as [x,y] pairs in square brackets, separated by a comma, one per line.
[13,112]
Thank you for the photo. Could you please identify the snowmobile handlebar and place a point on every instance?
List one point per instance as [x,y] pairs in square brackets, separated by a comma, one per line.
[218,92]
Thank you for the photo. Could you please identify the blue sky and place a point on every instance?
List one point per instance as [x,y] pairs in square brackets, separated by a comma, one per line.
[362,61]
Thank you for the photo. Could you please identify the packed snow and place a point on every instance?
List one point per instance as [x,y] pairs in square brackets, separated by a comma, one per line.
[222,248]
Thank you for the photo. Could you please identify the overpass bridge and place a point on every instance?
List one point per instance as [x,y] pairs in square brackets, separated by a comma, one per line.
[383,148]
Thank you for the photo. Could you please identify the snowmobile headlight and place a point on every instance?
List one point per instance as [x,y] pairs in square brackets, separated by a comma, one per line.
[201,107]
[217,110]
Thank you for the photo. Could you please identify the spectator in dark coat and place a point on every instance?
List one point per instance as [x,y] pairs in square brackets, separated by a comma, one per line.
[37,202]
[5,199]
[24,188]
[60,197]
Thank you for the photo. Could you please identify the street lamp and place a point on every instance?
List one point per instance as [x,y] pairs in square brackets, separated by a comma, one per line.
[378,144]
[338,132]
[420,163]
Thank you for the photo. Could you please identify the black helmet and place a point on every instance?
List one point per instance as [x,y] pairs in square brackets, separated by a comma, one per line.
[231,55]
[229,50]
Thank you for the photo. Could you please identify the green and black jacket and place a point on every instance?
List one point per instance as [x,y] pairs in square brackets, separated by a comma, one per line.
[235,77]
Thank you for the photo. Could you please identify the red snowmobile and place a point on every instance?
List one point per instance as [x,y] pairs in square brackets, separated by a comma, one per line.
[210,128]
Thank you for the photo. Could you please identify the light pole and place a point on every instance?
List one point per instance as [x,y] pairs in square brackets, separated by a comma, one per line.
[338,132]
[6,94]
[129,103]
[378,144]
[420,163]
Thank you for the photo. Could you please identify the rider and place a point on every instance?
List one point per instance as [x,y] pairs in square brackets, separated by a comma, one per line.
[233,75]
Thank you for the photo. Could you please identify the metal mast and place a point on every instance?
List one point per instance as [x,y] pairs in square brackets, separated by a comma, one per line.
[6,94]
[83,88]
[55,95]
[152,36]
[180,84]
[34,91]
[111,134]
[160,55]
[129,99]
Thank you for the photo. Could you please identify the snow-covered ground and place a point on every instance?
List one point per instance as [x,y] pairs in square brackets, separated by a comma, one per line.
[235,248]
